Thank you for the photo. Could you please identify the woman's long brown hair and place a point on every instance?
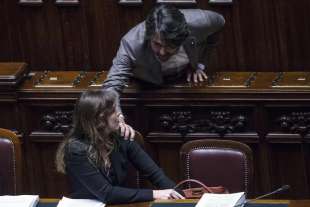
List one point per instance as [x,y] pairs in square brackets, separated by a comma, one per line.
[90,125]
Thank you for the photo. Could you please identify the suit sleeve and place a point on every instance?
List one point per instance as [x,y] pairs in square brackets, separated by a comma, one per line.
[120,71]
[141,160]
[214,22]
[79,167]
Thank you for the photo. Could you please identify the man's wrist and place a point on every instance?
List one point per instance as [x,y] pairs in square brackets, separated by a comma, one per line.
[201,66]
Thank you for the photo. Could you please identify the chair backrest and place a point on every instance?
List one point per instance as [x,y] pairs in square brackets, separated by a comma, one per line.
[10,163]
[134,179]
[218,162]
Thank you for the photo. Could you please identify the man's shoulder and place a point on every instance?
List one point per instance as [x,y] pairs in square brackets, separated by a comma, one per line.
[136,35]
[203,21]
[134,41]
[197,13]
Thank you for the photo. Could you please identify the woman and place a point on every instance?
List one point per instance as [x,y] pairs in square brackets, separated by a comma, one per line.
[94,156]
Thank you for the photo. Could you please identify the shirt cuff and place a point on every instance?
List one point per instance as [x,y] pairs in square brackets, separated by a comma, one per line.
[201,66]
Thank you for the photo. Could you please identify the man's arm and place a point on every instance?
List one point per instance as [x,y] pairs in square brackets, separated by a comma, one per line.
[121,70]
[117,79]
[214,22]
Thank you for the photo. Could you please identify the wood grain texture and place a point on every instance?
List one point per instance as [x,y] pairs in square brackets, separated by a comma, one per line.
[266,35]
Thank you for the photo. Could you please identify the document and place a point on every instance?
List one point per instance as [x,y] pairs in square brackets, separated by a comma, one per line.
[68,202]
[19,201]
[221,200]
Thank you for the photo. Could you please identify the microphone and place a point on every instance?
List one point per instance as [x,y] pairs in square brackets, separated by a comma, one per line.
[283,188]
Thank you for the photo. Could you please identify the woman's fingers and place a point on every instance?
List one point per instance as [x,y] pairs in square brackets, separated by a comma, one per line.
[127,131]
[175,195]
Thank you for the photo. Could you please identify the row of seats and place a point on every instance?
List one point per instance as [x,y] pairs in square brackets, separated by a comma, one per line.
[213,162]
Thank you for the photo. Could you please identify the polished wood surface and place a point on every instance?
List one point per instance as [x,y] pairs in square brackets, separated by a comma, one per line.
[11,70]
[11,74]
[219,82]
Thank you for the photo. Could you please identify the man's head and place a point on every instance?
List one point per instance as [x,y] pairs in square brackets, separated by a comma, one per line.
[166,29]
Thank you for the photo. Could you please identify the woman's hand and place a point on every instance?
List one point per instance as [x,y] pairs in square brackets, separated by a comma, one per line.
[166,194]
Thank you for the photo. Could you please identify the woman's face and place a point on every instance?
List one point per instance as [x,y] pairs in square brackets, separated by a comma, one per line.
[109,122]
[113,122]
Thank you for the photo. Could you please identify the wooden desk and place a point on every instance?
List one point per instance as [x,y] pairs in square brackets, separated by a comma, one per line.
[268,111]
[292,203]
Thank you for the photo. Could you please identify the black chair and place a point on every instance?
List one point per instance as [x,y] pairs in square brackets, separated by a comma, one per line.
[218,162]
[10,163]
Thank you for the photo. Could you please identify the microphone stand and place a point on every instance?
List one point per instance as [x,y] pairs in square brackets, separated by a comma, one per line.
[283,188]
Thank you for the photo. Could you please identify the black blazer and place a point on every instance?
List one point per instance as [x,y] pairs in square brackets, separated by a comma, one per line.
[90,182]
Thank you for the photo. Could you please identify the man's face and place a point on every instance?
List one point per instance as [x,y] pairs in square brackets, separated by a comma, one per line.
[162,51]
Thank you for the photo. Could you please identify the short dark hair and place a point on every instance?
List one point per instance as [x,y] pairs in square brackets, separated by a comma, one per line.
[169,22]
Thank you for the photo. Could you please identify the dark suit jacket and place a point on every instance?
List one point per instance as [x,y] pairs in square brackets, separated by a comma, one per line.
[135,57]
[89,181]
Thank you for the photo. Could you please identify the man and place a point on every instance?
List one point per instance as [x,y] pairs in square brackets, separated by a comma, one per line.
[169,44]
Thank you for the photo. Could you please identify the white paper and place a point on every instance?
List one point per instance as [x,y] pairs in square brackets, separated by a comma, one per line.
[68,202]
[19,201]
[221,200]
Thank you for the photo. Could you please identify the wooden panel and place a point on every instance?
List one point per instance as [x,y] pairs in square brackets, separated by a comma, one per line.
[163,115]
[287,122]
[43,151]
[265,35]
[166,156]
[9,114]
[48,117]
[200,118]
[285,160]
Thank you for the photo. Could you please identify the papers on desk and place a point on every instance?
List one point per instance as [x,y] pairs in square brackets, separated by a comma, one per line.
[221,200]
[68,202]
[19,201]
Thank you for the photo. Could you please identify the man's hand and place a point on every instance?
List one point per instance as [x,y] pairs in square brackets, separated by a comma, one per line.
[196,76]
[126,131]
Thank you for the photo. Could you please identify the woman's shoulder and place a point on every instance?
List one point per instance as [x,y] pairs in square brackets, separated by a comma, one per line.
[76,146]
